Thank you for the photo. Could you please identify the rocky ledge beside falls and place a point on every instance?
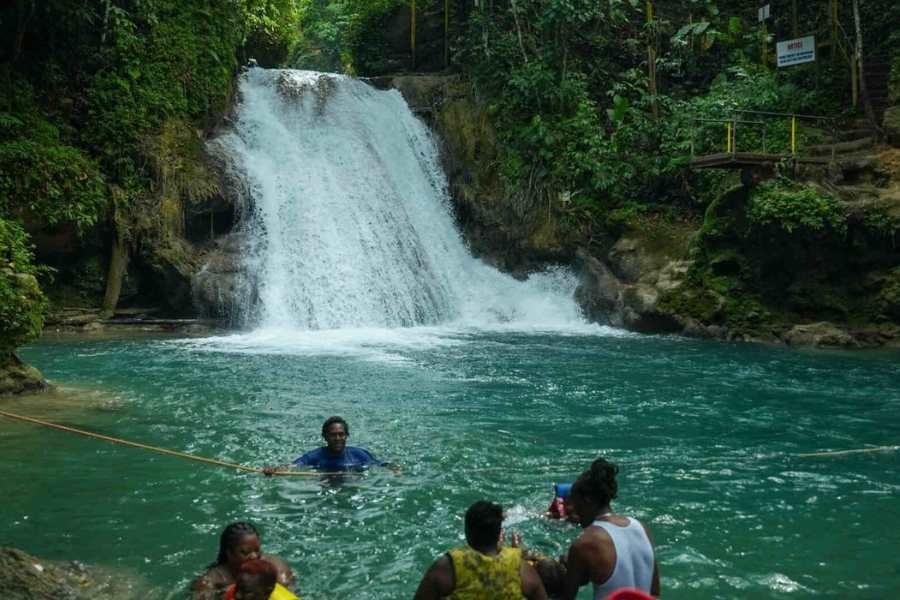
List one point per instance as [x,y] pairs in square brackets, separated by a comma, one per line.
[26,577]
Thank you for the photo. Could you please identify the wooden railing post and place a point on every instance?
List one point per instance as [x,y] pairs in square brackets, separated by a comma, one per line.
[734,136]
[794,135]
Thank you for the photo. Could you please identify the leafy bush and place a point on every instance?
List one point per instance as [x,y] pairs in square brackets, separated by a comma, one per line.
[364,45]
[796,208]
[22,304]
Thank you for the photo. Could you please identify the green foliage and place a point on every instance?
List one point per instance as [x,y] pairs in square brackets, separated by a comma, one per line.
[41,177]
[796,208]
[344,35]
[271,24]
[575,113]
[748,87]
[324,27]
[107,78]
[564,127]
[171,59]
[364,46]
[22,304]
[894,83]
[881,222]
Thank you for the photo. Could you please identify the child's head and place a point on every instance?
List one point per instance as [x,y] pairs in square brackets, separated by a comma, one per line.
[255,580]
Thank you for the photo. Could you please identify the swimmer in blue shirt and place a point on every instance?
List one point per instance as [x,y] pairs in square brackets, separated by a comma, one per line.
[336,455]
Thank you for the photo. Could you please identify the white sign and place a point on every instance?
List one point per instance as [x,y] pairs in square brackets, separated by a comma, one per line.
[794,52]
[764,13]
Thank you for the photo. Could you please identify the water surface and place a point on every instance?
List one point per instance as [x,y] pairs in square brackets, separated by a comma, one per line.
[706,434]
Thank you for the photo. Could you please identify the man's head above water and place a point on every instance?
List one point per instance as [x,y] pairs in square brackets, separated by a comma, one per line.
[335,431]
[484,521]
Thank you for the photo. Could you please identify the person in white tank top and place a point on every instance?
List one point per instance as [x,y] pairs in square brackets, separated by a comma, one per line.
[613,551]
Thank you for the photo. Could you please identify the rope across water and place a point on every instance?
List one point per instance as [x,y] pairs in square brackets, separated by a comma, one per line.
[247,469]
[166,451]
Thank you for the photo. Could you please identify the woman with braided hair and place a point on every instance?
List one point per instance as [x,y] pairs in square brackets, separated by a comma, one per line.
[238,544]
[613,551]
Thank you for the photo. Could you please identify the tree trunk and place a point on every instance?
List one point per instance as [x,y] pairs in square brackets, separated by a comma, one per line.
[105,22]
[515,12]
[860,71]
[25,10]
[651,62]
[118,264]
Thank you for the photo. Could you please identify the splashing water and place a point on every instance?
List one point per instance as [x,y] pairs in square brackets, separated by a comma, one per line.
[348,221]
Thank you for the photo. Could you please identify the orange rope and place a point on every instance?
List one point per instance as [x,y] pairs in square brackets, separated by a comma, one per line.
[842,452]
[209,461]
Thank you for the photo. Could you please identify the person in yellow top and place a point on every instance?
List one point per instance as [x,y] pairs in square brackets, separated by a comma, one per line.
[257,579]
[483,569]
[238,544]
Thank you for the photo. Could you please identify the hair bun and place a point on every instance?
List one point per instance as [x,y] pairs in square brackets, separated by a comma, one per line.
[599,481]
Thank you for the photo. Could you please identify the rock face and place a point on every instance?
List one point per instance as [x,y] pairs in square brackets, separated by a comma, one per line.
[631,299]
[599,292]
[822,334]
[16,377]
[215,286]
[25,577]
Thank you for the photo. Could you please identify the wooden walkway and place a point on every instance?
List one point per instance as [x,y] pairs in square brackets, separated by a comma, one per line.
[741,160]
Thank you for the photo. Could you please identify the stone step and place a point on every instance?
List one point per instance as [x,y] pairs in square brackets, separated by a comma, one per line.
[844,135]
[857,191]
[859,162]
[840,147]
[133,310]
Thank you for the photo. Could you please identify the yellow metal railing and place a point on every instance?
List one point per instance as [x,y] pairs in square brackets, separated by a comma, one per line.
[761,122]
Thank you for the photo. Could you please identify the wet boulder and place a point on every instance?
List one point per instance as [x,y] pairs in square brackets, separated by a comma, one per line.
[25,577]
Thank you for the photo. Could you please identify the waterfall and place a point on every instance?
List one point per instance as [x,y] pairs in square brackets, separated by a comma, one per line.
[347,221]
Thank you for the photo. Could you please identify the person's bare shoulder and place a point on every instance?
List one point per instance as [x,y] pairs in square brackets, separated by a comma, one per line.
[209,584]
[532,586]
[597,552]
[438,580]
[443,573]
[591,540]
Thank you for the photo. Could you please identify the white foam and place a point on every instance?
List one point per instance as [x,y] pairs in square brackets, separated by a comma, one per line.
[373,343]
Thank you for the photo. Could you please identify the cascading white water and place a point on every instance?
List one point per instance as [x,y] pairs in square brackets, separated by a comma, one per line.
[348,220]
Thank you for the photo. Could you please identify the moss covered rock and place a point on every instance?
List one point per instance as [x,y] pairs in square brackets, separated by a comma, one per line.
[16,377]
[26,577]
[822,334]
[792,261]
